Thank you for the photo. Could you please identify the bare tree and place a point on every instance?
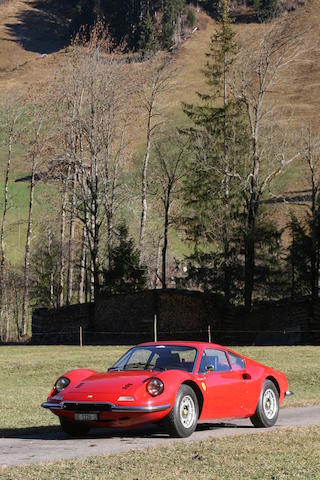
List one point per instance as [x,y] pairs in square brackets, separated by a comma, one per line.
[169,172]
[35,152]
[256,76]
[96,91]
[10,121]
[157,79]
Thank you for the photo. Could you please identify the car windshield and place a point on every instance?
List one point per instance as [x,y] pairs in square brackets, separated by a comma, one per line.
[157,357]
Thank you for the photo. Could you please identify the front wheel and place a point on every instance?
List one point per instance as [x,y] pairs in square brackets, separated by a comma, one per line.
[267,410]
[182,419]
[73,429]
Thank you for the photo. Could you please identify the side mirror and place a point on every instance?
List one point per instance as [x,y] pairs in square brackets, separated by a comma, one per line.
[209,368]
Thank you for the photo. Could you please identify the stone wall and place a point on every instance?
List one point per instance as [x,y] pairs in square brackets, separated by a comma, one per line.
[185,315]
[61,326]
[182,314]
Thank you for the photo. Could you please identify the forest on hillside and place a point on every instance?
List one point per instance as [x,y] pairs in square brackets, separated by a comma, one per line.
[148,25]
[129,182]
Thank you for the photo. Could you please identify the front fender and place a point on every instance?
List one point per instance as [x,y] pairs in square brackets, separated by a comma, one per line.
[173,379]
[75,376]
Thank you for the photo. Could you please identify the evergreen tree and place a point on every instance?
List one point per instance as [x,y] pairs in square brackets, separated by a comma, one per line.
[148,43]
[299,258]
[267,9]
[125,274]
[172,11]
[219,139]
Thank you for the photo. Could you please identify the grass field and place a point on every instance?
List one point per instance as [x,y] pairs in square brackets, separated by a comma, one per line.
[278,455]
[28,373]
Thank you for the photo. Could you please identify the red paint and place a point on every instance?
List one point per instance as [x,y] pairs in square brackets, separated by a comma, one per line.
[227,394]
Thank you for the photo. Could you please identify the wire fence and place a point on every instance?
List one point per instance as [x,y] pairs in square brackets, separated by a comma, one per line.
[81,336]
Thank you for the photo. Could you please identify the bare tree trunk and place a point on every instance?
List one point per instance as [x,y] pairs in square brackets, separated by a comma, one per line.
[249,245]
[62,237]
[83,258]
[3,227]
[158,259]
[144,205]
[71,241]
[165,236]
[25,301]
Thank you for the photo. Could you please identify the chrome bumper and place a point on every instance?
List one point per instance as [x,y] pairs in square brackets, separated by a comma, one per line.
[103,407]
[288,393]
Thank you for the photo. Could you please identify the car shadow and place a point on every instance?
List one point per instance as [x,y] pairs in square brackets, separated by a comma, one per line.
[43,29]
[150,431]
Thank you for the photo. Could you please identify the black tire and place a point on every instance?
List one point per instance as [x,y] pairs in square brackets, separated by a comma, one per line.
[74,429]
[182,420]
[267,410]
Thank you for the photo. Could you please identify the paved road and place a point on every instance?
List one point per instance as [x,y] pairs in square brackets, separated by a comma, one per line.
[50,444]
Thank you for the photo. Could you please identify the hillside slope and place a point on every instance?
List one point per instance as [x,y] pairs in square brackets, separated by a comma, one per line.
[33,36]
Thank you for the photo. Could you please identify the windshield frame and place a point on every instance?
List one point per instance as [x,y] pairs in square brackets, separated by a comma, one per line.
[153,349]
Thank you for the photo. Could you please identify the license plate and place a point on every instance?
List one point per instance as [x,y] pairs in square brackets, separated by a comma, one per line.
[86,417]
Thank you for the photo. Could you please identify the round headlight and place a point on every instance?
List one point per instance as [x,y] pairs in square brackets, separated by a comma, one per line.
[155,387]
[62,383]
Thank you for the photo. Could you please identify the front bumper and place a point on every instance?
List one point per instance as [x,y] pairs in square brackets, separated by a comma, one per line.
[96,407]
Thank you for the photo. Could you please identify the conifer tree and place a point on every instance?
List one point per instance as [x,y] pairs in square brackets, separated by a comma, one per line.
[148,42]
[219,139]
[125,274]
[172,11]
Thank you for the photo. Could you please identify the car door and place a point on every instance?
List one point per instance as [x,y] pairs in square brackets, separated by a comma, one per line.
[225,387]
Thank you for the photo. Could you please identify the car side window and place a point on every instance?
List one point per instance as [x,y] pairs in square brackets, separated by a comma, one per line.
[237,363]
[216,359]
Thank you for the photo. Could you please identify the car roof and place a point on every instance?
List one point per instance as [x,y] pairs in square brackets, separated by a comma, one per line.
[181,343]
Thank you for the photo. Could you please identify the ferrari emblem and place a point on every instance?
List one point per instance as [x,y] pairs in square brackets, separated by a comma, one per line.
[204,386]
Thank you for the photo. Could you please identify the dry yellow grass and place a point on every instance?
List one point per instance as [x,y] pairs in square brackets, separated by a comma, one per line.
[298,98]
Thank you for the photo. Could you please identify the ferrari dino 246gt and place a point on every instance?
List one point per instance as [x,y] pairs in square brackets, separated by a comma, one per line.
[176,383]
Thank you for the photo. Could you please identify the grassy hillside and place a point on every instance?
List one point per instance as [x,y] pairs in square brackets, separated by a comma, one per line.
[33,36]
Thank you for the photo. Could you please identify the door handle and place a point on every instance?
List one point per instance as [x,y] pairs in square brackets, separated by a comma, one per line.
[246,376]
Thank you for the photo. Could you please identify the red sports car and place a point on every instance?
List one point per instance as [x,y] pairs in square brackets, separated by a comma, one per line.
[176,383]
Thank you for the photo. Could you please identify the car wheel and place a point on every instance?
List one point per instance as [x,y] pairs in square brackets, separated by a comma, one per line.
[182,419]
[267,410]
[73,429]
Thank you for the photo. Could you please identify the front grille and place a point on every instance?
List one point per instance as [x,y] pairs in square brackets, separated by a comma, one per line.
[88,407]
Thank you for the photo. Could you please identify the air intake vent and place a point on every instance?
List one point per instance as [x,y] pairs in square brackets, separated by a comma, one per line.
[126,386]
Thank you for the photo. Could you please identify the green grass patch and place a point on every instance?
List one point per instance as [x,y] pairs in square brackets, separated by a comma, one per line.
[284,454]
[28,373]
[18,210]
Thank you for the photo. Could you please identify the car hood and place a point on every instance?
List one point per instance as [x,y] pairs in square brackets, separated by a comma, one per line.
[112,382]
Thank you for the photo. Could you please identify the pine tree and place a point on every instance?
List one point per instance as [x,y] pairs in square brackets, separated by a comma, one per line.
[172,11]
[219,140]
[148,42]
[126,274]
[267,9]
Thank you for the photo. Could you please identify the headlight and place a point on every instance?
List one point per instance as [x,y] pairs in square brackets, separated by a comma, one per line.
[61,384]
[155,387]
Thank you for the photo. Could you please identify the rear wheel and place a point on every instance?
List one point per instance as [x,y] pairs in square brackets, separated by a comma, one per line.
[267,410]
[73,429]
[182,419]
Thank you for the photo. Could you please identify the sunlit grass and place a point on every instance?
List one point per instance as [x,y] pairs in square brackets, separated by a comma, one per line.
[279,455]
[28,373]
